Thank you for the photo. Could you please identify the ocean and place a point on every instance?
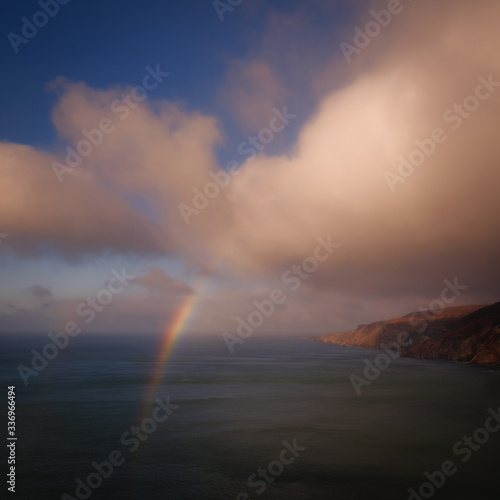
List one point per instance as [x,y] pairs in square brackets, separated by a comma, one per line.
[278,419]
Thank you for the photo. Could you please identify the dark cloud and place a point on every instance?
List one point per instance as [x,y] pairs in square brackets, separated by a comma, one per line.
[157,281]
[39,291]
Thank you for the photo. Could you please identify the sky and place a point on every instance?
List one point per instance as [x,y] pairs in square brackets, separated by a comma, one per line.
[302,167]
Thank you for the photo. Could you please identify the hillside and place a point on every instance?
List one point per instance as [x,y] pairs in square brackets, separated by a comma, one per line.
[462,333]
[474,338]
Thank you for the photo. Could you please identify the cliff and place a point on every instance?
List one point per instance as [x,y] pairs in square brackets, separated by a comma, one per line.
[474,338]
[462,333]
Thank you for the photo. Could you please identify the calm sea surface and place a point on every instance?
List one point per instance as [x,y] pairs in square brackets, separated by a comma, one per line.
[234,414]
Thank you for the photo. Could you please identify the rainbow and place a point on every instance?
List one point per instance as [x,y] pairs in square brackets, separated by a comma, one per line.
[172,333]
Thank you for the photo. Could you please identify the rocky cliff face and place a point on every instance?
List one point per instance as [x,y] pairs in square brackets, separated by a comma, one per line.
[474,338]
[464,333]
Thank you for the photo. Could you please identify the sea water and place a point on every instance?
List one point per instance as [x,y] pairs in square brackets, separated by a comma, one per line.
[235,415]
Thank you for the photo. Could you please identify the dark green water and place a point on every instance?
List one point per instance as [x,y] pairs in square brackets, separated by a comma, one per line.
[235,412]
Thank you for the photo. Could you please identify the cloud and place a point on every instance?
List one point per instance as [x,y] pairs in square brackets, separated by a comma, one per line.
[157,281]
[307,311]
[134,312]
[333,182]
[75,217]
[440,223]
[251,91]
[39,291]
